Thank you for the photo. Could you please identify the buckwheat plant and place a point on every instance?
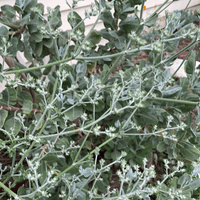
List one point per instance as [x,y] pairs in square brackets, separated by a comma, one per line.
[101,126]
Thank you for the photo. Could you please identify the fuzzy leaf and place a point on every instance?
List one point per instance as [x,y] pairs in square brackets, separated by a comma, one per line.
[171,45]
[25,20]
[161,146]
[35,24]
[189,151]
[8,11]
[3,116]
[74,113]
[94,38]
[38,116]
[171,90]
[129,24]
[9,97]
[14,124]
[37,37]
[55,19]
[27,106]
[108,23]
[191,186]
[81,69]
[190,64]
[27,48]
[184,179]
[85,172]
[125,11]
[115,154]
[4,31]
[14,48]
[63,38]
[38,49]
[48,42]
[23,96]
[147,118]
[151,20]
[74,19]
[196,170]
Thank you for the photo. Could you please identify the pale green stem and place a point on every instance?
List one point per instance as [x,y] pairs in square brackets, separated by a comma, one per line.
[112,68]
[81,147]
[173,100]
[39,67]
[9,191]
[13,163]
[187,5]
[93,112]
[76,130]
[74,164]
[150,17]
[141,11]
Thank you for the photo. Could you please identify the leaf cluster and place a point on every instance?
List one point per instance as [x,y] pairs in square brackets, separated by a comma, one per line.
[72,124]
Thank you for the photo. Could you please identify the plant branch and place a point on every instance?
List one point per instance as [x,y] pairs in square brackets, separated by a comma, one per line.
[18,109]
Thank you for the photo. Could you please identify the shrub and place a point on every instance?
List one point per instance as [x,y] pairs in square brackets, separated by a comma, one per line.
[76,126]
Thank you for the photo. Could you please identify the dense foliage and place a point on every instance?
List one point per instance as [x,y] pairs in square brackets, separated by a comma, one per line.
[73,124]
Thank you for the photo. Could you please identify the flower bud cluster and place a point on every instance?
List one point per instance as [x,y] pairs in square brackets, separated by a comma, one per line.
[157,46]
[165,33]
[78,36]
[138,94]
[36,10]
[50,32]
[29,83]
[133,36]
[135,126]
[108,132]
[74,3]
[169,136]
[50,12]
[92,12]
[169,120]
[172,19]
[192,32]
[86,46]
[123,174]
[182,126]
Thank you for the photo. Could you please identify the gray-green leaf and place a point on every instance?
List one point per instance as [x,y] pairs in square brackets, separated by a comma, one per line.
[13,125]
[74,113]
[3,116]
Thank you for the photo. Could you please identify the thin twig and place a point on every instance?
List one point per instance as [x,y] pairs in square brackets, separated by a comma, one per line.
[18,109]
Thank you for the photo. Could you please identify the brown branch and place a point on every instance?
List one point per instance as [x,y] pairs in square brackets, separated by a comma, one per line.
[82,138]
[15,32]
[11,25]
[18,109]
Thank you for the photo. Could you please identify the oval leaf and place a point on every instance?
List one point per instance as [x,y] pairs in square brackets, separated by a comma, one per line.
[3,116]
[161,146]
[13,124]
[74,113]
[27,106]
[189,151]
[191,63]
[74,19]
